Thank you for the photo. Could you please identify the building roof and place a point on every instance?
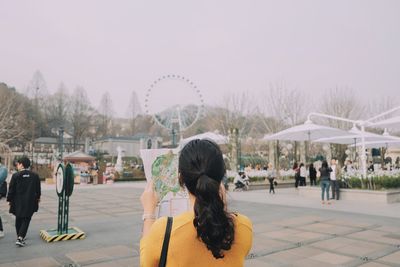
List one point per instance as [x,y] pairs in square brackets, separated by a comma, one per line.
[46,140]
[54,141]
[79,155]
[135,137]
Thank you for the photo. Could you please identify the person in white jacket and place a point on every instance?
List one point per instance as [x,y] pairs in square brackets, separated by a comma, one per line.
[303,174]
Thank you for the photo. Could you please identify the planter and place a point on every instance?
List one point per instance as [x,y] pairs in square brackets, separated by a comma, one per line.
[366,196]
[265,185]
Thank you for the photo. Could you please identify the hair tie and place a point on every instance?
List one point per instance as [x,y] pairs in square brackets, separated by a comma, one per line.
[201,174]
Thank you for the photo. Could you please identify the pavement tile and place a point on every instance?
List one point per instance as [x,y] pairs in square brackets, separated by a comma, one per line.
[257,263]
[265,244]
[303,237]
[102,264]
[333,244]
[295,239]
[115,251]
[42,262]
[306,251]
[128,262]
[263,227]
[282,233]
[311,263]
[374,264]
[356,224]
[393,258]
[377,236]
[284,257]
[86,212]
[299,220]
[388,229]
[87,256]
[331,258]
[361,248]
[275,232]
[328,228]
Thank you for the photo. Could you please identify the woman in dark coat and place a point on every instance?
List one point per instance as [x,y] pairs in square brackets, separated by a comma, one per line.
[325,171]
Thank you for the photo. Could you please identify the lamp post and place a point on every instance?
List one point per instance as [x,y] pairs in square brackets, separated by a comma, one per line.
[61,142]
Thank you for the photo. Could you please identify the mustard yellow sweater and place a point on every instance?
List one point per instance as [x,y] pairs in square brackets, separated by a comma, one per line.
[185,249]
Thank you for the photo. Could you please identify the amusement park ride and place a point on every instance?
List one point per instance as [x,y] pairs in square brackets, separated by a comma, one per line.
[175,103]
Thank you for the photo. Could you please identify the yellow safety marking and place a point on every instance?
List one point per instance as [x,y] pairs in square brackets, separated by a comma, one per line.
[46,237]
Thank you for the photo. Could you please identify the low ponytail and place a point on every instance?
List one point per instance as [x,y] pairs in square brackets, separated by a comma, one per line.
[201,168]
[214,226]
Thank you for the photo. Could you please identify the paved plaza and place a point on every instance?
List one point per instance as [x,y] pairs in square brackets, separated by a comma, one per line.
[289,230]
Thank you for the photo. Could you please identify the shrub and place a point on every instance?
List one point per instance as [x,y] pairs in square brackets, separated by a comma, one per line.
[386,182]
[252,179]
[257,179]
[378,182]
[44,172]
[354,182]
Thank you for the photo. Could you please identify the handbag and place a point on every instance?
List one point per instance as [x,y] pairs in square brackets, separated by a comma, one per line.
[164,251]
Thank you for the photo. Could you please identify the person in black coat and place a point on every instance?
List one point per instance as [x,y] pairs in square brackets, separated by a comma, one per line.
[23,196]
[313,175]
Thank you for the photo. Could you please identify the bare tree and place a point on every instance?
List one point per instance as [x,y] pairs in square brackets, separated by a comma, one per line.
[340,102]
[235,113]
[380,105]
[12,117]
[57,108]
[37,88]
[282,107]
[81,115]
[106,112]
[134,109]
[287,106]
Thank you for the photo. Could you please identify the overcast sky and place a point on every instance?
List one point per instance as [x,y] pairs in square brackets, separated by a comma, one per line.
[121,46]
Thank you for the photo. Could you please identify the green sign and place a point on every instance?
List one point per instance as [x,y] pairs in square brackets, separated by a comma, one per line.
[64,188]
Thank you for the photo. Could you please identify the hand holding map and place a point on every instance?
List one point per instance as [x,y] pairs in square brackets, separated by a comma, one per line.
[161,167]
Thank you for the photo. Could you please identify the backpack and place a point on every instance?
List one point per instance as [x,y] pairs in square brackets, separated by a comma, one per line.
[3,183]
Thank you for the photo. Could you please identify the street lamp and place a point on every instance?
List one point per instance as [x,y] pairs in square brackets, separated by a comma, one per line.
[61,142]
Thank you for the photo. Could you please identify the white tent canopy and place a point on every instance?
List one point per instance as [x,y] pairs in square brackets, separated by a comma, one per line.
[354,136]
[307,131]
[388,123]
[376,144]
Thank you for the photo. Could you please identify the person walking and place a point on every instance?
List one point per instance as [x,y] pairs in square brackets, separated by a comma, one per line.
[271,176]
[23,197]
[303,174]
[325,171]
[313,175]
[334,175]
[3,190]
[207,234]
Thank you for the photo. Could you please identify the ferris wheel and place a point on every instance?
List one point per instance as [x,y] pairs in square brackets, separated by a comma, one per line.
[174,102]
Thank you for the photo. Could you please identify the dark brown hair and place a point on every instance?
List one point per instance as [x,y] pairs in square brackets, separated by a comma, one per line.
[201,168]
